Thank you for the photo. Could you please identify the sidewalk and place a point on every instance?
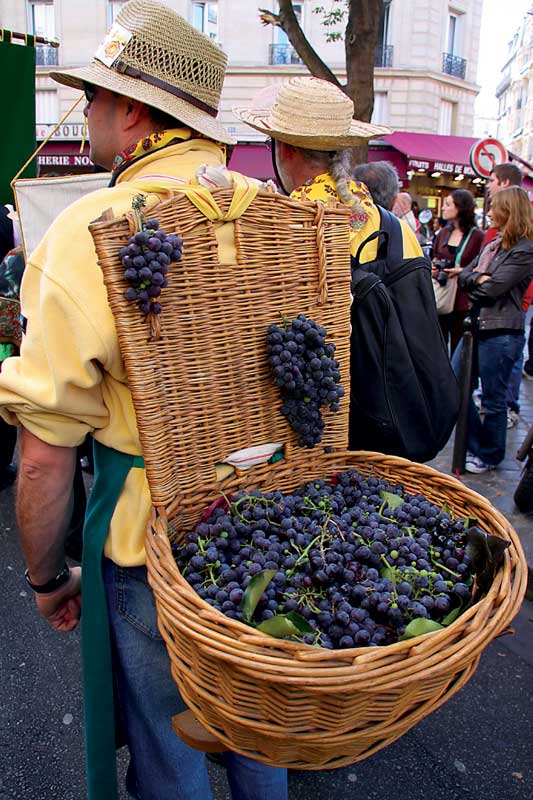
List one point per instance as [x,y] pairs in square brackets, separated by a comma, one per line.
[499,486]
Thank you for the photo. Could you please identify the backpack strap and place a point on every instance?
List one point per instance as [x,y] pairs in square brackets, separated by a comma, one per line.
[390,224]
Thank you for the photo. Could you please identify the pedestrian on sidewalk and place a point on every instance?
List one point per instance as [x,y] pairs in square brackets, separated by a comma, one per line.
[152,97]
[496,282]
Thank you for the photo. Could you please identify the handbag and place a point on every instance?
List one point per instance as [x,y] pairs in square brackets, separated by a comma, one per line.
[445,294]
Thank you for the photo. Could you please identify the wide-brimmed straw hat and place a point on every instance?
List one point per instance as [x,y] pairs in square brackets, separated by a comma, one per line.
[153,55]
[311,113]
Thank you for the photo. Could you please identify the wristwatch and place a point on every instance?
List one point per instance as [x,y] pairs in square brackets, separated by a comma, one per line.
[52,585]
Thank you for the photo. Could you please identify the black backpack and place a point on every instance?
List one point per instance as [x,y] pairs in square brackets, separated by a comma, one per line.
[404,394]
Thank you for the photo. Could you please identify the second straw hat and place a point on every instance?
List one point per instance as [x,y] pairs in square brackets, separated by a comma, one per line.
[311,113]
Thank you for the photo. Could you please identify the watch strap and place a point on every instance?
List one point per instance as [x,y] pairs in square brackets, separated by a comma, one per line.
[52,585]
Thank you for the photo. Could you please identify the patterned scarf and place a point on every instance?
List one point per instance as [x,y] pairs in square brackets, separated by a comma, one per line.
[155,141]
[488,254]
[323,188]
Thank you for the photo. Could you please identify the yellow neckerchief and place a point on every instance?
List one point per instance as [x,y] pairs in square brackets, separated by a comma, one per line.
[323,188]
[155,141]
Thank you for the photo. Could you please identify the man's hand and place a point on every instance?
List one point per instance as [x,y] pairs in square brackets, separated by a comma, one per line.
[62,609]
[483,279]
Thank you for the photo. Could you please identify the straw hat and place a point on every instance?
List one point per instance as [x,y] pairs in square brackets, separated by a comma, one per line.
[153,55]
[311,113]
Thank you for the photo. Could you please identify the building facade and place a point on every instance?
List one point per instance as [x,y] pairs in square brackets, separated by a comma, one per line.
[515,104]
[425,75]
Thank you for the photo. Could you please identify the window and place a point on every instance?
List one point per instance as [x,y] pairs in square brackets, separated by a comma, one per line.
[205,18]
[41,22]
[454,44]
[380,114]
[46,107]
[113,7]
[447,114]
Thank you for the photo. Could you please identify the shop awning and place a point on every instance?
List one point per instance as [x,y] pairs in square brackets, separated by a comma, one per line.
[426,151]
[254,160]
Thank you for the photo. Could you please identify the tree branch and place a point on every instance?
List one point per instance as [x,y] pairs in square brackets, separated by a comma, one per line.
[360,44]
[288,22]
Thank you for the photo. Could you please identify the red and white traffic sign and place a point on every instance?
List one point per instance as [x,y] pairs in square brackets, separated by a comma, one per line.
[485,155]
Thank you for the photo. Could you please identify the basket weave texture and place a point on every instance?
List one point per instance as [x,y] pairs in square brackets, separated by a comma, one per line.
[204,389]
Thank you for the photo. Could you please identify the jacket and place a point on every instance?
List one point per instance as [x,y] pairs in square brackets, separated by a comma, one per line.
[500,300]
[441,251]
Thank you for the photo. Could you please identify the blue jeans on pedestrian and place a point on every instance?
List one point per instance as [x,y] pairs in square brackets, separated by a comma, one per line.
[513,390]
[496,357]
[162,767]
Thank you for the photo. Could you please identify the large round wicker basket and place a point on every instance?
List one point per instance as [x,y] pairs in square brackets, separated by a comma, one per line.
[293,705]
[202,388]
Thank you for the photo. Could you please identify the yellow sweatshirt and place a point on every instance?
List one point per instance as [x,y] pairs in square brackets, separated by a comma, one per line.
[69,379]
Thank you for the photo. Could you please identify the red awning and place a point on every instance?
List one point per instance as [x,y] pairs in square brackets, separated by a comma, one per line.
[427,151]
[254,160]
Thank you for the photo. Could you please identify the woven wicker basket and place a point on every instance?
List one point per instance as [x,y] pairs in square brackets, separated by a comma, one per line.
[203,389]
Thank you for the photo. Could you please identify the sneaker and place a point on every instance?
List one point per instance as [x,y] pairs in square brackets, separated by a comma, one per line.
[512,418]
[526,374]
[475,465]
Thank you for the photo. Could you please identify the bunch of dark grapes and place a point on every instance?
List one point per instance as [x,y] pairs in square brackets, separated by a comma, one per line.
[146,260]
[307,374]
[356,557]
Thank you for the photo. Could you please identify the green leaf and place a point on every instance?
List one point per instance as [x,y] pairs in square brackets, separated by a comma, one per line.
[419,626]
[470,521]
[285,625]
[445,509]
[452,615]
[253,592]
[392,500]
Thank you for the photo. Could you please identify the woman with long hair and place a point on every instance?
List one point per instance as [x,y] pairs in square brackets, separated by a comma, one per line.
[456,246]
[496,283]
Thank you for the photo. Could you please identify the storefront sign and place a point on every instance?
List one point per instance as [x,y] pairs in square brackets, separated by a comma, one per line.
[440,166]
[69,130]
[64,161]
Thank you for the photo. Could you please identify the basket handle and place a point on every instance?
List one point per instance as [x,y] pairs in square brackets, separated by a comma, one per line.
[322,297]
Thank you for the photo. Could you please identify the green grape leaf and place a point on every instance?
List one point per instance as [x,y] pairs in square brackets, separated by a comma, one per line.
[470,521]
[419,626]
[445,509]
[285,625]
[392,500]
[452,615]
[253,592]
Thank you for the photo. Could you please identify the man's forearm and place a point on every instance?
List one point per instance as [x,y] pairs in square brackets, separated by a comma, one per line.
[44,495]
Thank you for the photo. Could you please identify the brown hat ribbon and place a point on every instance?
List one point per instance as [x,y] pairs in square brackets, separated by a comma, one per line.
[133,72]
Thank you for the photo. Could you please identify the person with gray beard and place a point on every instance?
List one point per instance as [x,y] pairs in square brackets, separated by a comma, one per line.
[382,181]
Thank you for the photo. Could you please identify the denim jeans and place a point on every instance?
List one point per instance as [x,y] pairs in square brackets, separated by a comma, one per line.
[162,767]
[513,389]
[496,357]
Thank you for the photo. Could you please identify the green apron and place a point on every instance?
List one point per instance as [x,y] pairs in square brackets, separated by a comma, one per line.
[111,469]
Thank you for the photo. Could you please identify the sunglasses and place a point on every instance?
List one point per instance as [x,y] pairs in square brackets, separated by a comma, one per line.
[90,92]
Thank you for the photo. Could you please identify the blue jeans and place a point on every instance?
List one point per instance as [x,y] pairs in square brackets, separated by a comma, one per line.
[496,357]
[513,389]
[162,767]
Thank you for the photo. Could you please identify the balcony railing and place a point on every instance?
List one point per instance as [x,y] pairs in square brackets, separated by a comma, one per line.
[453,65]
[283,54]
[46,55]
[383,56]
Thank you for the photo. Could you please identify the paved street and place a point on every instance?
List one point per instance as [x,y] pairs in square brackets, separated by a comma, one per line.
[477,746]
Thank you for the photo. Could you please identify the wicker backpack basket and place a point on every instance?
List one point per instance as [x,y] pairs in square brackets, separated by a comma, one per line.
[202,389]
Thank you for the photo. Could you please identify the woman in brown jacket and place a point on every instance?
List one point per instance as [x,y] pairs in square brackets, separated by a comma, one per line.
[460,236]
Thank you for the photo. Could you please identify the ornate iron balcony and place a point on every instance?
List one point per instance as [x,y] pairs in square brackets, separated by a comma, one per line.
[383,56]
[46,55]
[453,65]
[283,54]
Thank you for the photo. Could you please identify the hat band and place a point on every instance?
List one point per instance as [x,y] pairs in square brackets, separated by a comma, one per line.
[133,72]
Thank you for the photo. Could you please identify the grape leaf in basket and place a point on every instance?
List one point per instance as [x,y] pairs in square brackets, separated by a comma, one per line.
[283,626]
[392,500]
[419,626]
[253,592]
[486,552]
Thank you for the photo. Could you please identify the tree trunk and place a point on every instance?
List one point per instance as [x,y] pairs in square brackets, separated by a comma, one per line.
[360,43]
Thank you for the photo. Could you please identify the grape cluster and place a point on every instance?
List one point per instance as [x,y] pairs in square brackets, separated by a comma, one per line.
[307,374]
[146,259]
[357,558]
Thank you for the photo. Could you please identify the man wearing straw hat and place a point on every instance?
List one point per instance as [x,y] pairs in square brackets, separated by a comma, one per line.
[312,127]
[152,95]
